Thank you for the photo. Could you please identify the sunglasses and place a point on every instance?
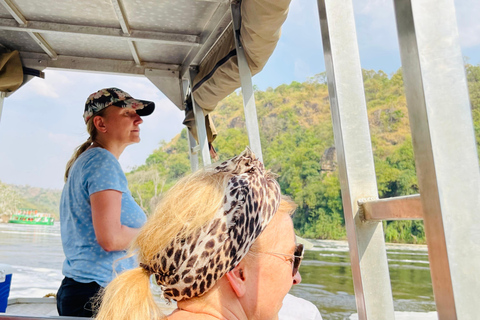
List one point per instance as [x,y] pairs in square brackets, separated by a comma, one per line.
[295,258]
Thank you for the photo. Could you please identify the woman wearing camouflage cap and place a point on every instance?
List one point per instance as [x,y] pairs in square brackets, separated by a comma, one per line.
[99,218]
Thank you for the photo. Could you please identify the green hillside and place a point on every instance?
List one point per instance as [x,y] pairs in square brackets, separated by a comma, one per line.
[297,140]
[13,197]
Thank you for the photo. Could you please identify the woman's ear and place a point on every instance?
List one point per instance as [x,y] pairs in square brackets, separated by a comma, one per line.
[99,124]
[237,279]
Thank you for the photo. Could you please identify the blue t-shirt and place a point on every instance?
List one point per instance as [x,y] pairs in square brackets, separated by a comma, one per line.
[94,170]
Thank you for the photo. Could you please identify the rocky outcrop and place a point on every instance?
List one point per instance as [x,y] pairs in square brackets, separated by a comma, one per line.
[329,160]
[237,122]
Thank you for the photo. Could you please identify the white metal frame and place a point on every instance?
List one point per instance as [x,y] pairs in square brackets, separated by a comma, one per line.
[23,25]
[38,60]
[192,144]
[193,151]
[122,19]
[207,39]
[193,147]
[169,83]
[248,95]
[105,32]
[368,258]
[200,125]
[445,151]
[445,154]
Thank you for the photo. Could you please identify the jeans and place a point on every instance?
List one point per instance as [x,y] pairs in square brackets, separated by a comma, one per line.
[75,299]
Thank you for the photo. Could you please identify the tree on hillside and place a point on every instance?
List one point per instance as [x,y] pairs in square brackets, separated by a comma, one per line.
[473,78]
[8,199]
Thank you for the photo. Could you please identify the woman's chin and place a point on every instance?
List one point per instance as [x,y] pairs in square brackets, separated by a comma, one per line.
[136,139]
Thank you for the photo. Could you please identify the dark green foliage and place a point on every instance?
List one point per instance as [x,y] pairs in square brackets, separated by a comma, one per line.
[396,174]
[473,78]
[410,231]
[297,140]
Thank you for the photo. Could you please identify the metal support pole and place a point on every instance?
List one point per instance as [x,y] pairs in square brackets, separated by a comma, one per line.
[200,123]
[368,256]
[193,152]
[445,151]
[251,119]
[192,145]
[2,98]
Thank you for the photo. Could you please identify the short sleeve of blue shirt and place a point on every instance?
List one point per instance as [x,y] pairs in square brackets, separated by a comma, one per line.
[103,172]
[95,170]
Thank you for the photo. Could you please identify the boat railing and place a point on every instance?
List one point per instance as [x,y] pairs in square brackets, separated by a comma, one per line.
[33,301]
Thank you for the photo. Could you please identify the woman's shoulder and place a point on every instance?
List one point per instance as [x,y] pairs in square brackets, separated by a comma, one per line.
[96,156]
[96,159]
[98,152]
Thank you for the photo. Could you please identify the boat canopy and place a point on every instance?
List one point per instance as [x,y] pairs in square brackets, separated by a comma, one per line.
[162,40]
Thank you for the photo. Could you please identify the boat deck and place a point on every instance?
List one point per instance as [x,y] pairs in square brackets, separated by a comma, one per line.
[46,308]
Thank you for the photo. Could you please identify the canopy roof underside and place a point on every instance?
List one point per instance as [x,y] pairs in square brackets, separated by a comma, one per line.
[161,38]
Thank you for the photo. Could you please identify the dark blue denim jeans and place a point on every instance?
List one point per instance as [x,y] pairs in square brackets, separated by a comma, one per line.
[74,299]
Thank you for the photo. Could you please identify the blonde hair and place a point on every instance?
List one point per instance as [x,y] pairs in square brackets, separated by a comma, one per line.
[189,205]
[92,131]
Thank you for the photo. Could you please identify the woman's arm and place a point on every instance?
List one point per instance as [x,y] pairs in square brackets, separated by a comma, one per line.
[106,210]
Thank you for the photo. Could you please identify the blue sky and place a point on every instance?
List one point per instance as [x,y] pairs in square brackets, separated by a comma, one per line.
[42,123]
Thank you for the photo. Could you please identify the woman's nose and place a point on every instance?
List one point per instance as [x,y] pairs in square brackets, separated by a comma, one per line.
[138,120]
[297,278]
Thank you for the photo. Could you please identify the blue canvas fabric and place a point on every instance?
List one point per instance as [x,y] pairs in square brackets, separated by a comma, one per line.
[95,170]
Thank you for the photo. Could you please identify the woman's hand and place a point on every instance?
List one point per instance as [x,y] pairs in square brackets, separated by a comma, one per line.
[106,210]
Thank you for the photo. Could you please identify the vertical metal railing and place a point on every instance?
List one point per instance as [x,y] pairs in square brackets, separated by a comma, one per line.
[248,95]
[202,146]
[200,125]
[192,144]
[192,151]
[445,155]
[445,151]
[368,256]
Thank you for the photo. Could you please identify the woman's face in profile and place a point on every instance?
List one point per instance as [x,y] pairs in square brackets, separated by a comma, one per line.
[273,273]
[123,125]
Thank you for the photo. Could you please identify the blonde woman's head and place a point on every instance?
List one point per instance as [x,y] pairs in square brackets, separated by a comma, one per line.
[204,227]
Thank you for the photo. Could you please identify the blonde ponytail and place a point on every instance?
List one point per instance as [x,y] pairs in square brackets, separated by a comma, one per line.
[92,131]
[129,297]
[84,146]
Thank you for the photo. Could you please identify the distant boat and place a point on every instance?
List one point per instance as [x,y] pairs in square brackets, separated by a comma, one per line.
[32,216]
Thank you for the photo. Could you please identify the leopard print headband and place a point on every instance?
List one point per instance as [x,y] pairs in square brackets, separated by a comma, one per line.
[189,267]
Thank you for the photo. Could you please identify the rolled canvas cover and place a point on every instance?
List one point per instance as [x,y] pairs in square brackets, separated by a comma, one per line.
[11,72]
[260,31]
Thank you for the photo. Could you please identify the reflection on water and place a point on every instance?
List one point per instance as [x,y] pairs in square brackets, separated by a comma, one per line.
[36,255]
[327,279]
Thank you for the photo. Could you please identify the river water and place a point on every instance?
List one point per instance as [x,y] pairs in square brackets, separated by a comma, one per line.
[35,254]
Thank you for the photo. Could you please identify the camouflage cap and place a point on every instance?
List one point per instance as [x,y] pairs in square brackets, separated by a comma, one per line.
[115,97]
